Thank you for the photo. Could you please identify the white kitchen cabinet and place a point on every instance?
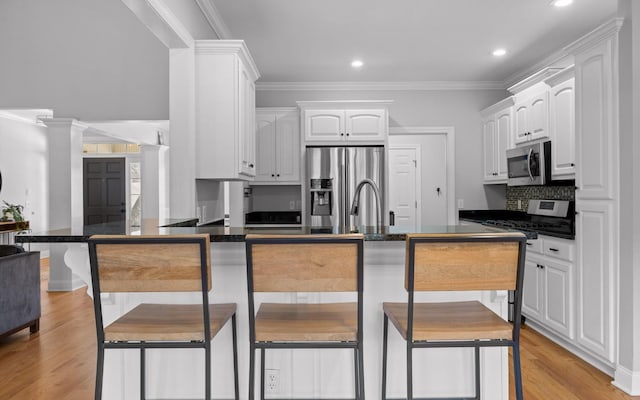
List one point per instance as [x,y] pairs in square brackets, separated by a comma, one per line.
[496,130]
[532,291]
[597,192]
[596,140]
[548,284]
[277,146]
[531,118]
[344,121]
[596,236]
[225,76]
[562,125]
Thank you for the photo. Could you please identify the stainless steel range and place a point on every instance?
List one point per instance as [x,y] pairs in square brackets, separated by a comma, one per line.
[545,217]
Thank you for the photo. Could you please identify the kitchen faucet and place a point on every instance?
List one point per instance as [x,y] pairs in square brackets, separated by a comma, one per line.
[356,199]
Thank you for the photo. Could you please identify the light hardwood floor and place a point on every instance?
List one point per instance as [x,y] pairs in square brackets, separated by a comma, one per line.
[59,361]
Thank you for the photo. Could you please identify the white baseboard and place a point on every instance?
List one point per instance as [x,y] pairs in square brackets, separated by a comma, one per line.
[65,285]
[626,380]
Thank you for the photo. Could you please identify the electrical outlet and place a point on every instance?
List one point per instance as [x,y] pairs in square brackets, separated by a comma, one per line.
[519,204]
[292,205]
[272,381]
[460,204]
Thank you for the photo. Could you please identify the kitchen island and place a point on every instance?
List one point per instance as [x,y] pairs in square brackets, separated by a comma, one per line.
[302,373]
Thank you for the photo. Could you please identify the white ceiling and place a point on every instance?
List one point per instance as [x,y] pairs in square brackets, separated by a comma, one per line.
[404,40]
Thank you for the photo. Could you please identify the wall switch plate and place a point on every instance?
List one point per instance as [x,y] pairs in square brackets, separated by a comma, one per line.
[292,205]
[460,204]
[519,204]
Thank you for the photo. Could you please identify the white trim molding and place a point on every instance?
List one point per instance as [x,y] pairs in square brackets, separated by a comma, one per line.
[380,86]
[162,22]
[599,34]
[214,18]
[627,380]
[449,132]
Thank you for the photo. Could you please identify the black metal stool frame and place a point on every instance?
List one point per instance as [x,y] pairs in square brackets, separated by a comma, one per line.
[142,346]
[514,343]
[263,346]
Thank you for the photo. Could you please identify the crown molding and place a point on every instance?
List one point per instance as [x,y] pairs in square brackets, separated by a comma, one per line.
[501,105]
[538,77]
[596,36]
[380,86]
[338,104]
[214,18]
[237,47]
[561,76]
[27,116]
[162,22]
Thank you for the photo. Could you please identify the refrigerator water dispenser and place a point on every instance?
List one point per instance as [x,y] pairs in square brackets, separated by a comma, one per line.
[321,196]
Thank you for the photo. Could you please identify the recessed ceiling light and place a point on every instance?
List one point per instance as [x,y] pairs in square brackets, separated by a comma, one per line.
[499,52]
[357,63]
[561,3]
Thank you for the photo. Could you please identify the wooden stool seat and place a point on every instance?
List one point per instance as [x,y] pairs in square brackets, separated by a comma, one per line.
[162,322]
[310,264]
[158,264]
[458,262]
[277,322]
[463,320]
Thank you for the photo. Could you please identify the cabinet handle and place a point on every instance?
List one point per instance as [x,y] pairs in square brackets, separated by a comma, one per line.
[529,244]
[541,266]
[278,175]
[272,175]
[250,165]
[347,134]
[342,134]
[552,249]
[573,165]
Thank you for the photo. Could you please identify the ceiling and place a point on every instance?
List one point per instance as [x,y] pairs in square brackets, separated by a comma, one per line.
[404,40]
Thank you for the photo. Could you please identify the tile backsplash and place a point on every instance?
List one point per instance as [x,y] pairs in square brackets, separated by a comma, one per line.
[526,193]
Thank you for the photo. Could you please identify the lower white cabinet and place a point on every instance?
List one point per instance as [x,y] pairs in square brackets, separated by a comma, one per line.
[596,295]
[548,284]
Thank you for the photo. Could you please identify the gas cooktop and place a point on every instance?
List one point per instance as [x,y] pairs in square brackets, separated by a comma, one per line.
[545,217]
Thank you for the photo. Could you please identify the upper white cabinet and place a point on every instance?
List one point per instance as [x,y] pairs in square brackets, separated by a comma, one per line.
[277,146]
[345,121]
[225,76]
[595,122]
[532,118]
[562,124]
[497,125]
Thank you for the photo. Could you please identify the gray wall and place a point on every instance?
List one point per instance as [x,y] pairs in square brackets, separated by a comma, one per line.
[87,59]
[457,108]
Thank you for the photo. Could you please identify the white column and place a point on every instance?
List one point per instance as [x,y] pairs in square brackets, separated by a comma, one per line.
[183,136]
[154,181]
[65,194]
[627,373]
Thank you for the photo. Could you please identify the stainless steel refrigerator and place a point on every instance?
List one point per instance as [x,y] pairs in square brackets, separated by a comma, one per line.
[334,174]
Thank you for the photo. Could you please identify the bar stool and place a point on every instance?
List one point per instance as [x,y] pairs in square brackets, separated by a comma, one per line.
[451,262]
[158,264]
[305,263]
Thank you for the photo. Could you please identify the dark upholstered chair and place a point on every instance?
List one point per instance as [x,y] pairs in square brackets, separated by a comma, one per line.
[19,290]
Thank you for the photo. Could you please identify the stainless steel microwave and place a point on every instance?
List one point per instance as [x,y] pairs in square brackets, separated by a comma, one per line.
[529,164]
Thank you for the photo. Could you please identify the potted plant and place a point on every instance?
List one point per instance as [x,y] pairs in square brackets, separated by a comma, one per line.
[14,212]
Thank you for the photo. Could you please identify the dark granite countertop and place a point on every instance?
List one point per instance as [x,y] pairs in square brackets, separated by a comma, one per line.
[236,234]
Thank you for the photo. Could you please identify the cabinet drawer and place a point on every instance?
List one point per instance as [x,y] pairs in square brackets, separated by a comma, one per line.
[558,248]
[534,245]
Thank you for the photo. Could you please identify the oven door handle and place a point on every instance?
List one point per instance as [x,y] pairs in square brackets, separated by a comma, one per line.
[529,164]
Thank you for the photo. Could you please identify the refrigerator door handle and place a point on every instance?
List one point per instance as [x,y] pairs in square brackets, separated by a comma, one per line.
[392,218]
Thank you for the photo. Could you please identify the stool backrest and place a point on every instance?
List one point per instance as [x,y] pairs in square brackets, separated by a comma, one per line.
[151,263]
[447,262]
[304,263]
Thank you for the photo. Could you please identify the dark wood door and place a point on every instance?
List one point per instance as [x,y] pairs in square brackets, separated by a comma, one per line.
[104,190]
